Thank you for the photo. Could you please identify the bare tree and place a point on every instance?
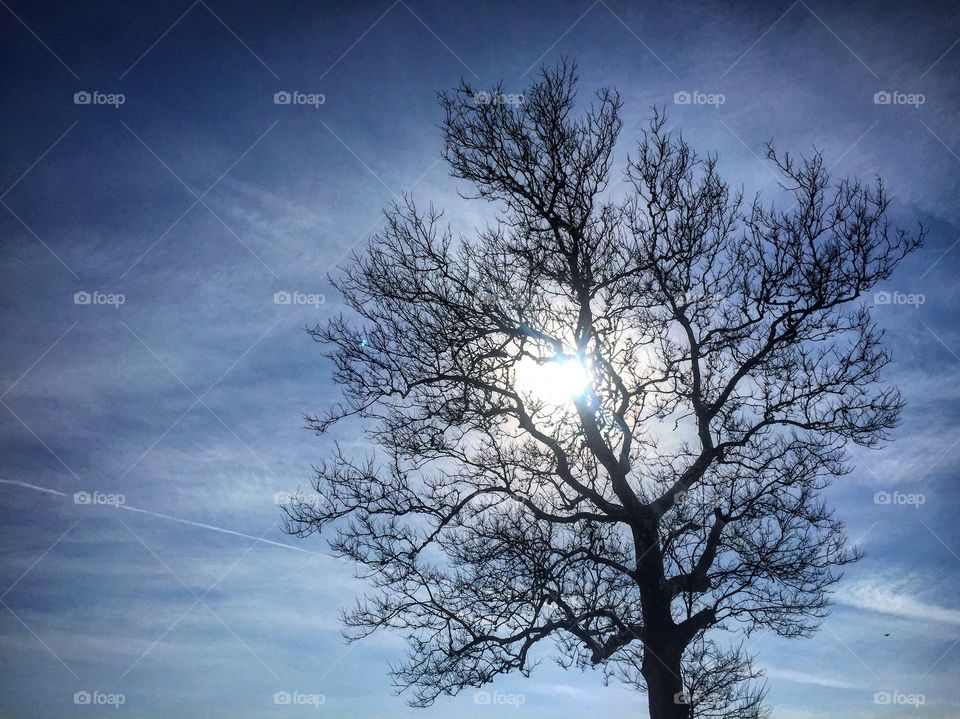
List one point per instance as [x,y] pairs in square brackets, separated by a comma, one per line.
[729,359]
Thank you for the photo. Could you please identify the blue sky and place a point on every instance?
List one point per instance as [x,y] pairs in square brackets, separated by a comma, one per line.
[198,198]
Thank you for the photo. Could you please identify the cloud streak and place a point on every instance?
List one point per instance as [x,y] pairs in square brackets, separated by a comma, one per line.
[894,598]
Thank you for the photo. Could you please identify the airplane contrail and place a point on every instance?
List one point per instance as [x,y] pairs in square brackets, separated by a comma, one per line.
[202,525]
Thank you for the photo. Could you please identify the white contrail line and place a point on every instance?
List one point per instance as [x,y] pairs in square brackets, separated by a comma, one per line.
[33,486]
[219,529]
[202,525]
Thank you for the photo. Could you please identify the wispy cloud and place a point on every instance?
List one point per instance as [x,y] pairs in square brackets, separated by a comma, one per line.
[878,595]
[801,677]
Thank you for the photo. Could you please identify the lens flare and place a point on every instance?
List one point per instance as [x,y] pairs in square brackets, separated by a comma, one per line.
[554,382]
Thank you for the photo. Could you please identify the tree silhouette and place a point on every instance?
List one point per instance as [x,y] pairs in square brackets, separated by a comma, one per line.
[728,357]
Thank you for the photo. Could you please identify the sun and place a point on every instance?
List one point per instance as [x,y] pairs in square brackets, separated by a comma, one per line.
[555,382]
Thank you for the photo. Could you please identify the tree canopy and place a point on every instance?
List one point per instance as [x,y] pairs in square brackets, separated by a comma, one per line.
[729,361]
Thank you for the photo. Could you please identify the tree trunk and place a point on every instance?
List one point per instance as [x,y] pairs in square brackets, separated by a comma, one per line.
[662,644]
[664,687]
